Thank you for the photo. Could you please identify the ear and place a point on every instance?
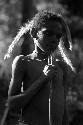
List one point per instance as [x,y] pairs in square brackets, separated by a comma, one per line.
[35,41]
[34,33]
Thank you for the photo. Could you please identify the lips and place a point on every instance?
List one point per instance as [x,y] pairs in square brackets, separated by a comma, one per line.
[51,45]
[50,48]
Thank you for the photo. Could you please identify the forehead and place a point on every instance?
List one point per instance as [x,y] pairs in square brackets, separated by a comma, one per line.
[54,25]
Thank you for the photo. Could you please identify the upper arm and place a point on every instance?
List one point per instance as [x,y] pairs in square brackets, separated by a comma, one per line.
[17,76]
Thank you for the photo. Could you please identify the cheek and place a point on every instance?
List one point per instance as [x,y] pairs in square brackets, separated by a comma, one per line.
[50,37]
[40,35]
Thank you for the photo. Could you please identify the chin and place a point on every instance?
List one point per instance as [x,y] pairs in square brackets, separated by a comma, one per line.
[51,50]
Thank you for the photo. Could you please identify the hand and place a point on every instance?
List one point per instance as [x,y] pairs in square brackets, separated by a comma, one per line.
[50,71]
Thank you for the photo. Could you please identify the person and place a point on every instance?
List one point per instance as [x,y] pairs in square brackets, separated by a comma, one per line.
[43,73]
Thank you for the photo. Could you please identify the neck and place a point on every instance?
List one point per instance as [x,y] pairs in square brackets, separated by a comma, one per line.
[40,54]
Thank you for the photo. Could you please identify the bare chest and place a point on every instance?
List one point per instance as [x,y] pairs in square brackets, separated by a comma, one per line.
[34,70]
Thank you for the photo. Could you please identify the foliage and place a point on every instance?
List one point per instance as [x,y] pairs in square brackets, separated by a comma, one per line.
[10,21]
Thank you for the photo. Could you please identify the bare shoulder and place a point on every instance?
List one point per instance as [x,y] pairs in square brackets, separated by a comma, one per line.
[18,62]
[62,65]
[21,61]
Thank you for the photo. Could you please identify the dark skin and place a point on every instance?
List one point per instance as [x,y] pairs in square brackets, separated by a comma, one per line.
[31,71]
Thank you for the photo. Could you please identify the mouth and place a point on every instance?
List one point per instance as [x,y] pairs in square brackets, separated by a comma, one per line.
[50,49]
[51,45]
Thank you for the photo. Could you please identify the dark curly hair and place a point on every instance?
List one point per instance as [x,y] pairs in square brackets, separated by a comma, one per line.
[51,14]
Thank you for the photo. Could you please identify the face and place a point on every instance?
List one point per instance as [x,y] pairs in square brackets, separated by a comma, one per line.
[48,37]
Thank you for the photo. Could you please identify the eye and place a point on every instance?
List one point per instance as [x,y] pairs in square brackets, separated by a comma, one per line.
[48,32]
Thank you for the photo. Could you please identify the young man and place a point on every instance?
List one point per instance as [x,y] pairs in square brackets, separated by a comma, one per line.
[43,73]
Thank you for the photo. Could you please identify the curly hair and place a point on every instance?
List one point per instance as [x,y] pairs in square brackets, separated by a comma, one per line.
[51,14]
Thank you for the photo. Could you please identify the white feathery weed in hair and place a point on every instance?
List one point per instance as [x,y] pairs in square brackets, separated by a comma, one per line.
[65,55]
[23,30]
